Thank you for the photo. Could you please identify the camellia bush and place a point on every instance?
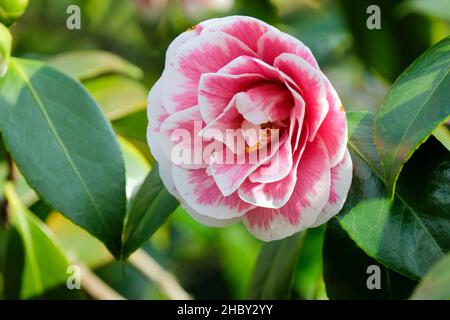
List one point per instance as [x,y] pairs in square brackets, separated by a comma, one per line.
[270,151]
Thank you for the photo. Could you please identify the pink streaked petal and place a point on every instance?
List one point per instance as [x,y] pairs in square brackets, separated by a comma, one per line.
[268,102]
[246,29]
[230,175]
[178,42]
[201,193]
[281,164]
[277,193]
[217,89]
[274,43]
[341,179]
[156,115]
[252,65]
[220,129]
[208,221]
[205,53]
[312,86]
[334,127]
[300,212]
[180,132]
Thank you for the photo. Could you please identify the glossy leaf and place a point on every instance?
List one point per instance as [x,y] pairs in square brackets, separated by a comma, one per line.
[418,103]
[88,64]
[117,95]
[149,209]
[411,233]
[273,274]
[64,147]
[45,264]
[347,272]
[436,284]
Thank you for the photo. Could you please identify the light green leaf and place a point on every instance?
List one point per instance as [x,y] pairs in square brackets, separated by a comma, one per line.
[45,264]
[64,147]
[442,133]
[432,8]
[436,284]
[117,95]
[418,103]
[273,274]
[88,64]
[412,232]
[149,209]
[136,166]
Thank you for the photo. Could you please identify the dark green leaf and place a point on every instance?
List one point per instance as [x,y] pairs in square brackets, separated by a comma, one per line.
[149,209]
[64,147]
[436,284]
[273,274]
[346,270]
[418,103]
[411,233]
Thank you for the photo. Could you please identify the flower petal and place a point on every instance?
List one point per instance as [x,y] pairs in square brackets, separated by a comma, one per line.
[201,193]
[157,114]
[341,179]
[274,43]
[277,193]
[179,138]
[268,102]
[307,201]
[246,29]
[312,86]
[217,89]
[205,53]
[334,127]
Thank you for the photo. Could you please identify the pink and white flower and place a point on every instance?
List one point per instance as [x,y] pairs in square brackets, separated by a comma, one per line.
[239,73]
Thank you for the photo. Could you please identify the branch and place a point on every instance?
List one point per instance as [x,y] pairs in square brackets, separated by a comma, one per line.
[96,287]
[164,280]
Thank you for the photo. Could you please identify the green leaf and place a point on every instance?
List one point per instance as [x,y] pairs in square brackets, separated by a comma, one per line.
[412,232]
[88,64]
[418,103]
[45,264]
[436,284]
[346,270]
[117,95]
[149,209]
[431,8]
[81,245]
[308,281]
[273,274]
[136,166]
[64,147]
[442,133]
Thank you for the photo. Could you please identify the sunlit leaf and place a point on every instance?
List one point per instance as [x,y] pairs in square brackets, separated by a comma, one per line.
[88,64]
[45,264]
[418,103]
[412,232]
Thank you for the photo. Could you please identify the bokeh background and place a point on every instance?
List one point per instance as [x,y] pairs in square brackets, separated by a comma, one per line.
[130,39]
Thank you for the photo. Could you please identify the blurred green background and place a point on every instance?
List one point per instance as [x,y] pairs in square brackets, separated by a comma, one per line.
[119,53]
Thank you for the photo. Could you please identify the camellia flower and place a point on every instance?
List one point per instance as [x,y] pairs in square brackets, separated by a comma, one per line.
[240,89]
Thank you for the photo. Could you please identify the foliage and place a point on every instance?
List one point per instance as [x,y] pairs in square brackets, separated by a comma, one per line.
[78,183]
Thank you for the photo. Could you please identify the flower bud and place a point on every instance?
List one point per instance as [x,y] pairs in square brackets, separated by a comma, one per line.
[5,49]
[11,10]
